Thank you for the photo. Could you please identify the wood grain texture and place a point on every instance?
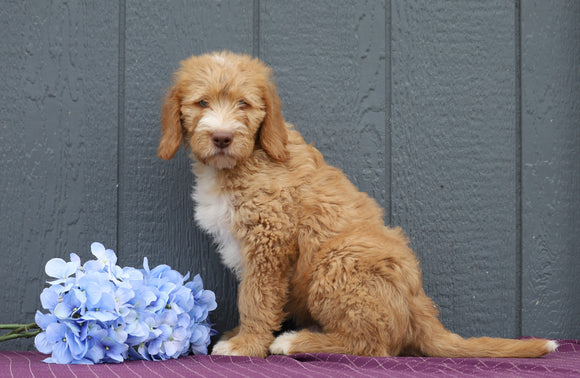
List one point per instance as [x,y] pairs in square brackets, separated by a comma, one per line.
[156,210]
[329,62]
[453,157]
[58,142]
[551,168]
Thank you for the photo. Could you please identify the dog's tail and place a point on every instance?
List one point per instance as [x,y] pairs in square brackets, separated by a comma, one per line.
[439,342]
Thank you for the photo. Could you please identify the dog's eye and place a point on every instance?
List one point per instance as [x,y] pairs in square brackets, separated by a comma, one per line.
[243,104]
[203,103]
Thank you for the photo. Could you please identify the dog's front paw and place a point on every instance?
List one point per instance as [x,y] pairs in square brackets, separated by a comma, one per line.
[224,348]
[283,343]
[240,346]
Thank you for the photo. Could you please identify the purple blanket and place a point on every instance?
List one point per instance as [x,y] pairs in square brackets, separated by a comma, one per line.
[565,362]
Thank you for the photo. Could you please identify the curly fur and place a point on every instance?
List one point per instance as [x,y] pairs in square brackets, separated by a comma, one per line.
[304,242]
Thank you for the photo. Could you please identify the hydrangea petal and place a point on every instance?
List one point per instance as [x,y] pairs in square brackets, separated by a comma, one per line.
[62,311]
[55,332]
[43,320]
[56,268]
[42,344]
[172,348]
[207,297]
[196,284]
[77,348]
[74,258]
[98,250]
[96,353]
[61,354]
[49,298]
[146,265]
[110,258]
[93,266]
[123,295]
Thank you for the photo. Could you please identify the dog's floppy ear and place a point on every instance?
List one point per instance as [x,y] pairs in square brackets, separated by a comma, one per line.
[273,133]
[171,130]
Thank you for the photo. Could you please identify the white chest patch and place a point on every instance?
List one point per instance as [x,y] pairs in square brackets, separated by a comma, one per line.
[214,213]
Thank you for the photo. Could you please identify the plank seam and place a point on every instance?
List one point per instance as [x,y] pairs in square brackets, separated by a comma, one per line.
[120,114]
[256,29]
[518,161]
[388,112]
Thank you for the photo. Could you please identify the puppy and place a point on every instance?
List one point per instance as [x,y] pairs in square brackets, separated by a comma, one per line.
[302,240]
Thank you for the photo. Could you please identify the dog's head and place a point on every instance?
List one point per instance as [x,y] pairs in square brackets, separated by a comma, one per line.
[224,106]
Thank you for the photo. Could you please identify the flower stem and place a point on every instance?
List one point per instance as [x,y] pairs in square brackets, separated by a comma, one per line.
[19,331]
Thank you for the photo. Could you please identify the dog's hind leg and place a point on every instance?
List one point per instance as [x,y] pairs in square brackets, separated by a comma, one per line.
[359,299]
[306,341]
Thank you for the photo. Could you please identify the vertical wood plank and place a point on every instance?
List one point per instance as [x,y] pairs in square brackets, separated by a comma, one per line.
[551,168]
[156,210]
[453,138]
[329,61]
[58,142]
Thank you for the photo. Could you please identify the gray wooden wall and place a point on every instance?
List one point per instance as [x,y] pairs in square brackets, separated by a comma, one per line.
[460,117]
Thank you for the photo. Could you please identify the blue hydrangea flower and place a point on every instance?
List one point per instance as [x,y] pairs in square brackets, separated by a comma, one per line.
[99,312]
[70,305]
[60,269]
[66,348]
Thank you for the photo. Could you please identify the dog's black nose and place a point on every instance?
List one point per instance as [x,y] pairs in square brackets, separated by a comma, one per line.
[222,139]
